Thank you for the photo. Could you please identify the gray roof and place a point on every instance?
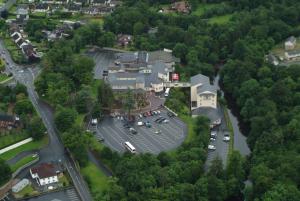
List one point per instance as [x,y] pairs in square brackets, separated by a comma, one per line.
[161,55]
[291,39]
[127,57]
[205,84]
[212,113]
[126,79]
[293,52]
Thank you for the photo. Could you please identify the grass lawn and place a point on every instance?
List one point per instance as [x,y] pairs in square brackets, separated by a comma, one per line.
[190,124]
[27,191]
[64,180]
[223,19]
[11,139]
[95,178]
[203,7]
[79,119]
[26,147]
[3,77]
[22,162]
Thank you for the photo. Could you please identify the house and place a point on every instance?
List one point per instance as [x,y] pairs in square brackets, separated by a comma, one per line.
[45,173]
[16,36]
[8,121]
[74,8]
[181,7]
[30,52]
[272,59]
[292,55]
[99,2]
[290,43]
[41,7]
[22,14]
[124,40]
[203,94]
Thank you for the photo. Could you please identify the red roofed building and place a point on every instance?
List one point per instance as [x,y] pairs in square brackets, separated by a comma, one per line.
[181,7]
[44,174]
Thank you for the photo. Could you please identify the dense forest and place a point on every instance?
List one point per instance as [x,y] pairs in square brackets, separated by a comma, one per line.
[267,97]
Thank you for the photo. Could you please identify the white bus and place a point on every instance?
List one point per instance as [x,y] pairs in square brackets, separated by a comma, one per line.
[167,91]
[130,147]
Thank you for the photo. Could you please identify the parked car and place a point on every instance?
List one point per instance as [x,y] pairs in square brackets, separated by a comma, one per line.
[126,125]
[148,124]
[161,120]
[157,131]
[158,119]
[212,139]
[213,133]
[132,130]
[158,112]
[211,147]
[100,139]
[170,114]
[145,114]
[140,123]
[166,121]
[140,115]
[226,138]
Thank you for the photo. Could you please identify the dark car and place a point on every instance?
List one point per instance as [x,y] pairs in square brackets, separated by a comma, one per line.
[159,118]
[145,114]
[126,125]
[101,139]
[170,114]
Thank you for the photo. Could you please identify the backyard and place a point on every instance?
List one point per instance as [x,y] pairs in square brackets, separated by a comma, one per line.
[10,139]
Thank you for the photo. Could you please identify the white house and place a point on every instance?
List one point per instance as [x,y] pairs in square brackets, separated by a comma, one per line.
[292,55]
[203,94]
[290,43]
[44,174]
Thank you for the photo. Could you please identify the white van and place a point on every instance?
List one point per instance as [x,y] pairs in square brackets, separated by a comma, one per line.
[140,123]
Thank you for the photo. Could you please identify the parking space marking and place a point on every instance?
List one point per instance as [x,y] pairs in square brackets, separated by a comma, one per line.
[150,133]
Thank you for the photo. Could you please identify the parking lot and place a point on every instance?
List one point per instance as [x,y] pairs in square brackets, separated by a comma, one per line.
[159,137]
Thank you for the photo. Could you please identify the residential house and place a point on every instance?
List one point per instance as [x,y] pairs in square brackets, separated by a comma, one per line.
[272,59]
[123,40]
[181,7]
[16,36]
[45,173]
[99,2]
[203,94]
[8,121]
[41,7]
[292,55]
[73,8]
[22,14]
[290,43]
[30,52]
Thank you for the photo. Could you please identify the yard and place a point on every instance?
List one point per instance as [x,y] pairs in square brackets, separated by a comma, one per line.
[12,139]
[22,162]
[26,147]
[3,77]
[96,179]
[26,192]
[203,7]
[223,19]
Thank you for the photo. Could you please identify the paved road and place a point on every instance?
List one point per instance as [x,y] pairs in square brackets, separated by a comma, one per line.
[172,134]
[18,157]
[102,59]
[55,150]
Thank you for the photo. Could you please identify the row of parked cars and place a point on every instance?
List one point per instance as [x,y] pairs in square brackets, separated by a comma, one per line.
[213,137]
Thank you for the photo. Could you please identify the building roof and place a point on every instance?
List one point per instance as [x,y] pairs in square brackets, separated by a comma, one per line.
[125,79]
[204,84]
[161,55]
[211,113]
[7,118]
[44,170]
[291,39]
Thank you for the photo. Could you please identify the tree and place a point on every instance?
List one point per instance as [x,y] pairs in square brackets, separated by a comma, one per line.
[84,101]
[5,172]
[4,14]
[128,103]
[24,106]
[64,118]
[105,95]
[36,128]
[282,192]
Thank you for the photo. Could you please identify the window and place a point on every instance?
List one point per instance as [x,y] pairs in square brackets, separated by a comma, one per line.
[194,103]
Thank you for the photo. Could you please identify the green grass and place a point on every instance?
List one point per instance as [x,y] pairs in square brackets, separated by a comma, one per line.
[3,77]
[11,139]
[79,119]
[26,147]
[223,19]
[189,121]
[95,178]
[27,191]
[203,7]
[22,162]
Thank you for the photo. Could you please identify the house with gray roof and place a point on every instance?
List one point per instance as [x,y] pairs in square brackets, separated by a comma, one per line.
[203,94]
[290,43]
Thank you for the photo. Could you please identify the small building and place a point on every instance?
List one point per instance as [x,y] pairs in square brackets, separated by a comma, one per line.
[270,58]
[181,7]
[124,40]
[22,14]
[203,94]
[292,55]
[8,121]
[44,174]
[20,185]
[290,43]
[41,7]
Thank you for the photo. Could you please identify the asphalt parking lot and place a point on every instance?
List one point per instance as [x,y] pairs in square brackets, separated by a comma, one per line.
[146,140]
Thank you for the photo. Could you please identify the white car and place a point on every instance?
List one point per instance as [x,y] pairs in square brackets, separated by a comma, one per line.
[157,131]
[140,123]
[212,139]
[211,147]
[213,133]
[166,121]
[226,138]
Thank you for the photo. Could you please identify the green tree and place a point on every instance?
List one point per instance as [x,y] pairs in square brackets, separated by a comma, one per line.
[36,128]
[128,103]
[5,172]
[64,118]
